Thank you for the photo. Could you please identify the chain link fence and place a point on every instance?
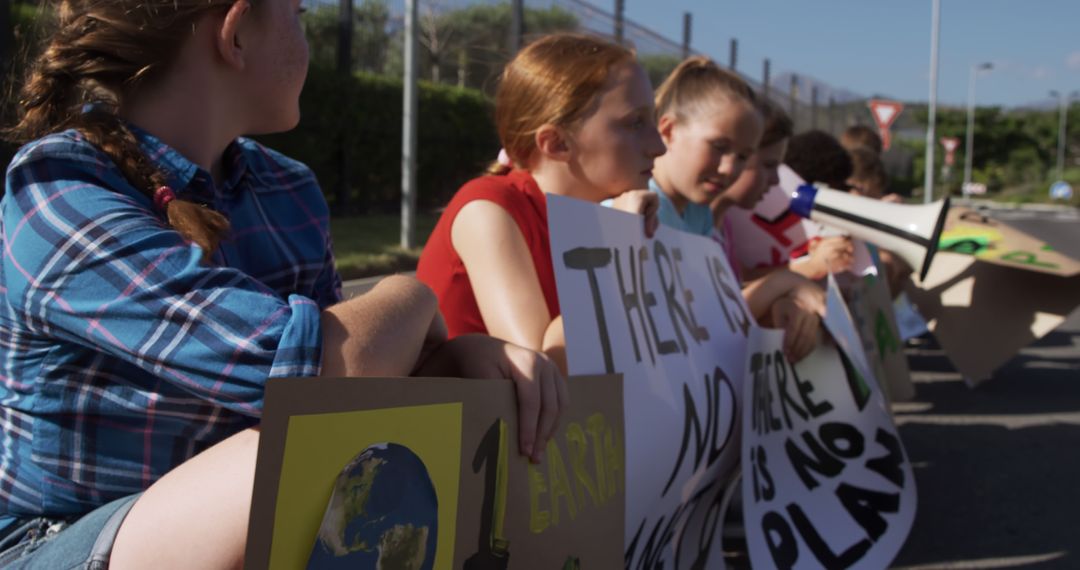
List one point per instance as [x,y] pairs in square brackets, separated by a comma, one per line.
[467,42]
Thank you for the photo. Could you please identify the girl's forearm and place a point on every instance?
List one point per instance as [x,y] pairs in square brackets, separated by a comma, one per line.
[380,333]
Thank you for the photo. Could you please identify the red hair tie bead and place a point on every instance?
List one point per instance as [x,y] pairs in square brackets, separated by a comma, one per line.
[162,197]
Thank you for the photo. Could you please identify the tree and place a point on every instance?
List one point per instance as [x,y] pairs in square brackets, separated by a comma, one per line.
[471,44]
[7,36]
[435,37]
[659,66]
[1014,149]
[371,36]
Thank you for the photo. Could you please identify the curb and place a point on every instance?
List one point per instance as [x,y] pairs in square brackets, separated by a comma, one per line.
[991,205]
[354,287]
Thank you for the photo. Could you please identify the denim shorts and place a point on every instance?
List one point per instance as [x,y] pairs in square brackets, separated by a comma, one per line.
[57,544]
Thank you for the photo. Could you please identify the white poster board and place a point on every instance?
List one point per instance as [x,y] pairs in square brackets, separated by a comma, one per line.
[668,315]
[826,482]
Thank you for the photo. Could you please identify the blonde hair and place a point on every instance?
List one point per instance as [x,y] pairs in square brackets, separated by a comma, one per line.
[697,82]
[552,81]
[101,52]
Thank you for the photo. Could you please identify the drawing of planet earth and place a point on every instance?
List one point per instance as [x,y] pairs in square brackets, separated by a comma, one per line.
[383,514]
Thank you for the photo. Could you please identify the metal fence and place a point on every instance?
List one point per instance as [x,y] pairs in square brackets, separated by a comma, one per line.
[466,43]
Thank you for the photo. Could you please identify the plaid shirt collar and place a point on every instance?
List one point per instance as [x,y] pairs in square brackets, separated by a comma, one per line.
[189,180]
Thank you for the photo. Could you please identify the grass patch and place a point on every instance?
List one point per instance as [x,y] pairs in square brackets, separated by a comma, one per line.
[370,245]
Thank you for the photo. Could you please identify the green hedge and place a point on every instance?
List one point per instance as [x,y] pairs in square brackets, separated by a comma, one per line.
[457,139]
[26,32]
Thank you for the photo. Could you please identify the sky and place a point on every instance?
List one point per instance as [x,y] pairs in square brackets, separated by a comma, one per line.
[873,47]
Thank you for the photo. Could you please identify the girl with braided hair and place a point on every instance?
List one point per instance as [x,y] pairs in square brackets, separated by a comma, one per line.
[158,268]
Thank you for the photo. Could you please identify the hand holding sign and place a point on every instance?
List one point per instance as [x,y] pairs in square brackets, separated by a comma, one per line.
[802,330]
[540,387]
[642,202]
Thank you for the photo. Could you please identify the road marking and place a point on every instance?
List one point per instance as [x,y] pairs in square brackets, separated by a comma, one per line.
[988,563]
[1008,421]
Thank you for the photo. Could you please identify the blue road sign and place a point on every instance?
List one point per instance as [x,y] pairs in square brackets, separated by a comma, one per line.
[1061,190]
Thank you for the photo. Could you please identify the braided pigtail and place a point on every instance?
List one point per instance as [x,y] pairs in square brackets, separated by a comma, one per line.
[198,224]
[98,53]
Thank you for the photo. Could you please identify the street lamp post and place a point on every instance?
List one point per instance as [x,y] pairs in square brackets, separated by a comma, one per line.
[969,147]
[931,121]
[1063,102]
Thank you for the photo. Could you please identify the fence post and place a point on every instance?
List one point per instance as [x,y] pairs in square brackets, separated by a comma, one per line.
[7,36]
[345,34]
[793,94]
[832,115]
[517,25]
[620,8]
[344,67]
[733,56]
[765,78]
[687,25]
[410,111]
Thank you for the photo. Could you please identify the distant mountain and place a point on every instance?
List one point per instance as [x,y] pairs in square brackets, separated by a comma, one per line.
[782,84]
[1041,105]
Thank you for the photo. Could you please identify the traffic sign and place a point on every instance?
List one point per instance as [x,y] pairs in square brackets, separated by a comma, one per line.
[1061,190]
[950,144]
[974,189]
[885,112]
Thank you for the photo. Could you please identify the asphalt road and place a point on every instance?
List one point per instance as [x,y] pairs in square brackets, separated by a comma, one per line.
[997,467]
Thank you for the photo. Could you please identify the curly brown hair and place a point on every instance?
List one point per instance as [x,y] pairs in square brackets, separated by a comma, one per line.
[99,54]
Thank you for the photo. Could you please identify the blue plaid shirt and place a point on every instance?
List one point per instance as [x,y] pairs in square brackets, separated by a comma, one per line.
[122,355]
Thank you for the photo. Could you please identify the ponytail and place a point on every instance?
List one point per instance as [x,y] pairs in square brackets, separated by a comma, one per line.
[502,165]
[697,82]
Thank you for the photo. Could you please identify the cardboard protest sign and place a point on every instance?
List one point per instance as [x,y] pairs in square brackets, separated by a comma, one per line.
[983,311]
[668,315]
[992,290]
[872,310]
[826,482]
[425,473]
[969,232]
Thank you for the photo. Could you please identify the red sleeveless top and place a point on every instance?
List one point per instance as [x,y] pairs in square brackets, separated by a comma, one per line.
[442,269]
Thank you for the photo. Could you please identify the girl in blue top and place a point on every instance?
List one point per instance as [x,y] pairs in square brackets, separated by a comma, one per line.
[711,122]
[158,269]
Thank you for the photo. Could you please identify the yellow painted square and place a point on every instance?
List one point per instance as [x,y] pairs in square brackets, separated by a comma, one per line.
[318,446]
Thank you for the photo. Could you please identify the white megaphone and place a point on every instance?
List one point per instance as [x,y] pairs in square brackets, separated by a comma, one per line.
[912,232]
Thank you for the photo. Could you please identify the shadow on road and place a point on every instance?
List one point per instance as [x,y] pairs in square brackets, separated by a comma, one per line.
[997,467]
